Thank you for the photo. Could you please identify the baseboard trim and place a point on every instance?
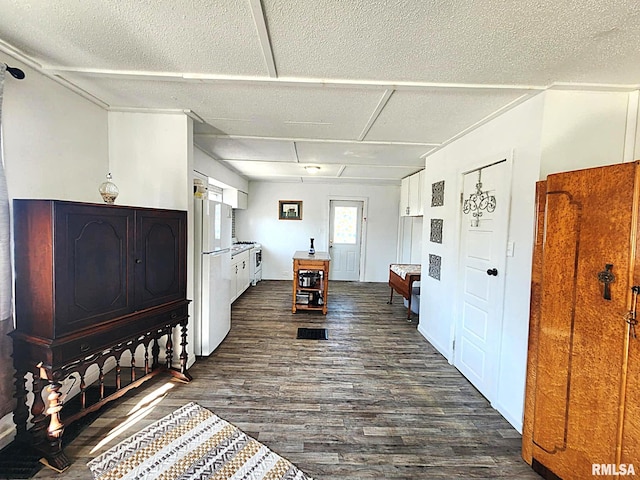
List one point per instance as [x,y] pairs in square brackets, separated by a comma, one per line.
[508,417]
[444,351]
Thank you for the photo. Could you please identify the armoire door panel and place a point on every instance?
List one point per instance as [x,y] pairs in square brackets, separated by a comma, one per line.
[556,331]
[158,263]
[94,281]
[159,249]
[534,324]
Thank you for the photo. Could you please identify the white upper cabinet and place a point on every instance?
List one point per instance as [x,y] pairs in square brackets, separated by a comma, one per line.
[243,199]
[411,204]
[234,197]
[422,195]
[404,197]
[415,194]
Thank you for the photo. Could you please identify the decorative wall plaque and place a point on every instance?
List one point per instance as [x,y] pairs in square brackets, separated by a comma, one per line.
[478,202]
[435,262]
[436,230]
[437,194]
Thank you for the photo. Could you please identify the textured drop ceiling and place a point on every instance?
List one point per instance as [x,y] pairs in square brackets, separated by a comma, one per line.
[365,89]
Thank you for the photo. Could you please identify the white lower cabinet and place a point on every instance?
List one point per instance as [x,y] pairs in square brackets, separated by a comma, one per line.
[240,279]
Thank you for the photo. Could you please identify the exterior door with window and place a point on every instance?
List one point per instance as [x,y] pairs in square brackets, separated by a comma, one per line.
[483,243]
[345,231]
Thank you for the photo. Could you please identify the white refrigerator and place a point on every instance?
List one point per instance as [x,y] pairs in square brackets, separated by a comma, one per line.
[212,289]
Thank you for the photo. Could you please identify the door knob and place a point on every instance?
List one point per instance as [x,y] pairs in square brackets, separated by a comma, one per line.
[492,271]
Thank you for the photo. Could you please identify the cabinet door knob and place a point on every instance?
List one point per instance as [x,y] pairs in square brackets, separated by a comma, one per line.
[138,260]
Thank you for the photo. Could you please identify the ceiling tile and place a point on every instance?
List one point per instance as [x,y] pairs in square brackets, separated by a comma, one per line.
[177,36]
[349,180]
[274,169]
[247,149]
[268,178]
[397,173]
[242,109]
[362,153]
[436,115]
[489,42]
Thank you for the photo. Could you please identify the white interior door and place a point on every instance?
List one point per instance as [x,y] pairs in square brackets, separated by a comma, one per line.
[483,244]
[345,232]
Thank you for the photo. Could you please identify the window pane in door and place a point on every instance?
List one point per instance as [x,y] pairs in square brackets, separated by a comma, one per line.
[345,225]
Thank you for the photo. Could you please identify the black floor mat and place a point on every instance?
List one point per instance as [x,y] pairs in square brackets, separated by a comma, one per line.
[313,334]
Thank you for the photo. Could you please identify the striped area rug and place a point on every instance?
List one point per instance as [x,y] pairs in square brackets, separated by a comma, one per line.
[192,443]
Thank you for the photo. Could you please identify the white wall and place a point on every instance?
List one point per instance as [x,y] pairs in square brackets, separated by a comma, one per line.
[55,146]
[582,130]
[633,114]
[152,160]
[280,238]
[55,142]
[553,132]
[516,131]
[149,159]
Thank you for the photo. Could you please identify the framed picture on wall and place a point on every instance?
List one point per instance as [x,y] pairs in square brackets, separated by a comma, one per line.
[290,210]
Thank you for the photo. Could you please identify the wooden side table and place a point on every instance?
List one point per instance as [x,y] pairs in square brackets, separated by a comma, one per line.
[310,281]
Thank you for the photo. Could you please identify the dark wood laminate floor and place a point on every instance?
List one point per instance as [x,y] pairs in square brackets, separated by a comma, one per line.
[375,401]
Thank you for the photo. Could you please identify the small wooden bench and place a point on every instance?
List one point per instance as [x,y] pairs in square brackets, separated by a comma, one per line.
[401,279]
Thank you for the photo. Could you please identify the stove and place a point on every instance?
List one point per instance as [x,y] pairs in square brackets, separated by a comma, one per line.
[255,265]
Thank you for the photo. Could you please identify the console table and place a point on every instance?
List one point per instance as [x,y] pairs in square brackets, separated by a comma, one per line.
[310,281]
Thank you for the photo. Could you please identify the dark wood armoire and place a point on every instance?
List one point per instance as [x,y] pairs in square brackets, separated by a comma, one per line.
[93,281]
[582,405]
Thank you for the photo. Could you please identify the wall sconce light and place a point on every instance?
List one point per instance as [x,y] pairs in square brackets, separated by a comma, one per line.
[312,169]
[479,201]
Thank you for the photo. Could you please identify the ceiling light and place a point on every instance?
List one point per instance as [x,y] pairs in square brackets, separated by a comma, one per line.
[312,168]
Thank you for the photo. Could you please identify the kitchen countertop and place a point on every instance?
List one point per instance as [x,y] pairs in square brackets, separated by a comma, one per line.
[240,247]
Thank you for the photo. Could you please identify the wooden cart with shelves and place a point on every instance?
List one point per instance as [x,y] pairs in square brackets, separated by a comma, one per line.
[310,281]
